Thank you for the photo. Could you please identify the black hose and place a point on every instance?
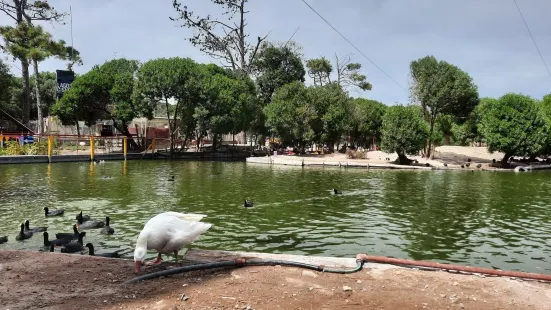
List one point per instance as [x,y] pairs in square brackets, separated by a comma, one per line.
[241,263]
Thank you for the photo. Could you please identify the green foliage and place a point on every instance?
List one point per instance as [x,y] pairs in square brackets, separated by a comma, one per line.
[105,92]
[9,90]
[32,42]
[291,117]
[442,88]
[333,108]
[13,148]
[25,12]
[348,73]
[48,91]
[404,131]
[165,79]
[319,69]
[366,120]
[229,105]
[349,76]
[514,125]
[301,115]
[276,66]
[546,106]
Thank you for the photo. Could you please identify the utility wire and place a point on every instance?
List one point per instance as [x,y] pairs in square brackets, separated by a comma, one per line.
[531,36]
[352,44]
[291,37]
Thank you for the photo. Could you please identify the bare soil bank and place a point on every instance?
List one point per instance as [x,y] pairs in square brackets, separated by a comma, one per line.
[34,280]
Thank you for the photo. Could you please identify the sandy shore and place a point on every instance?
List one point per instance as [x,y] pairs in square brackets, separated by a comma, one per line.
[33,280]
[446,157]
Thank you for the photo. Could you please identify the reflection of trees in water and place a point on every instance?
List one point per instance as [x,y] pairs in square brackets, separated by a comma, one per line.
[517,209]
[437,211]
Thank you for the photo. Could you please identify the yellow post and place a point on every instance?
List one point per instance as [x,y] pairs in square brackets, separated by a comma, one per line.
[50,148]
[153,146]
[1,140]
[92,148]
[124,147]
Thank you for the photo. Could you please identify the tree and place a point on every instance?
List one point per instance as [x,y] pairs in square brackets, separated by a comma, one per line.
[28,11]
[332,106]
[8,90]
[166,79]
[105,92]
[225,41]
[367,119]
[47,88]
[348,74]
[274,67]
[441,88]
[319,69]
[444,123]
[290,116]
[34,44]
[404,131]
[230,101]
[545,107]
[515,126]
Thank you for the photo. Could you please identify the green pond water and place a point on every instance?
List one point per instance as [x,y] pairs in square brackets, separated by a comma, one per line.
[499,220]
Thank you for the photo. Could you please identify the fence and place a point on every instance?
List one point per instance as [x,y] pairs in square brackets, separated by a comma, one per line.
[69,145]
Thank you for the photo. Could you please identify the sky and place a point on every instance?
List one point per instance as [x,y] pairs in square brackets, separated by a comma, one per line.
[487,39]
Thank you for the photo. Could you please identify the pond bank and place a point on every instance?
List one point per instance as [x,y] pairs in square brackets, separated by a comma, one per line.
[35,159]
[60,281]
[340,161]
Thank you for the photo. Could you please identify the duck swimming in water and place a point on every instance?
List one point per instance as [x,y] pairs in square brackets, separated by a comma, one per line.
[34,229]
[248,204]
[74,247]
[91,252]
[82,218]
[23,234]
[336,191]
[90,224]
[47,212]
[107,230]
[69,236]
[57,242]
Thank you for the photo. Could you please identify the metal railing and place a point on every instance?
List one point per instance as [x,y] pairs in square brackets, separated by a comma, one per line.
[52,145]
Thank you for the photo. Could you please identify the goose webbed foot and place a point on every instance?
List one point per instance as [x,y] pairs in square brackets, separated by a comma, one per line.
[157,261]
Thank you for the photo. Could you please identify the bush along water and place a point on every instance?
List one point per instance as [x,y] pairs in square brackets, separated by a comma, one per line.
[13,148]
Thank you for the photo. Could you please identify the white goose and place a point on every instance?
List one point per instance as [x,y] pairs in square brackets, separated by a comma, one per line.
[167,233]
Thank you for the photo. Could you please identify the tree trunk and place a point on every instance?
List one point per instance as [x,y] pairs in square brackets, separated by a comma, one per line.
[25,98]
[78,130]
[170,127]
[39,119]
[124,130]
[429,146]
[403,159]
[331,147]
[505,161]
[214,142]
[447,138]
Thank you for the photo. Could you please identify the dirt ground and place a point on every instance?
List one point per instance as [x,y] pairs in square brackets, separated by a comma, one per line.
[454,156]
[35,280]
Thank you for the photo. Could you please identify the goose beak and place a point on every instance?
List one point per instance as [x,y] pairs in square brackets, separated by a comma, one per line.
[137,266]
